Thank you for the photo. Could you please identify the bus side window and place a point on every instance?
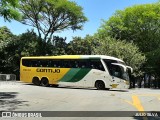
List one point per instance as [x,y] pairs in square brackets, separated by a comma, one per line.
[116,71]
[92,66]
[76,64]
[73,64]
[101,67]
[26,62]
[82,64]
[96,64]
[55,63]
[79,64]
[44,63]
[66,63]
[58,63]
[35,63]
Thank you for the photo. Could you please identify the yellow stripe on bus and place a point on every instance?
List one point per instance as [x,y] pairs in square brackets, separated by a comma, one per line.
[29,73]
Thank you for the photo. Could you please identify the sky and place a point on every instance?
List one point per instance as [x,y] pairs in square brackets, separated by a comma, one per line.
[94,10]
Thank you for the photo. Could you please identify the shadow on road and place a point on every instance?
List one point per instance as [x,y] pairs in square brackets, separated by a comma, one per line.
[64,87]
[68,87]
[119,90]
[8,101]
[82,88]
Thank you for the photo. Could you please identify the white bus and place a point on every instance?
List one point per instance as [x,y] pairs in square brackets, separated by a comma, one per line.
[99,71]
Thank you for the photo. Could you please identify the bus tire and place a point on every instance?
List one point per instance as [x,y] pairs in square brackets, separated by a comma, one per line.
[100,85]
[55,85]
[44,82]
[107,89]
[36,81]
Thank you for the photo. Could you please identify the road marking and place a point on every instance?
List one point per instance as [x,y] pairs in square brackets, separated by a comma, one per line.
[137,104]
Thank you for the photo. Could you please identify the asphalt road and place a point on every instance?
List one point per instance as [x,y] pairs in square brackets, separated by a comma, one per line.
[18,96]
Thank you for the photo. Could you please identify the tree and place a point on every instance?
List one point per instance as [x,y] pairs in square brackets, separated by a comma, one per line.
[49,16]
[31,45]
[8,10]
[28,44]
[153,64]
[6,37]
[80,46]
[139,23]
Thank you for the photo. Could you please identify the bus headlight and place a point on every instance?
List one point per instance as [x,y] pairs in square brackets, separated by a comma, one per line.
[127,82]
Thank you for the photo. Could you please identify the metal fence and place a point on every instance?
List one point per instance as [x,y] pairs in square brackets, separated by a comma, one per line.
[7,77]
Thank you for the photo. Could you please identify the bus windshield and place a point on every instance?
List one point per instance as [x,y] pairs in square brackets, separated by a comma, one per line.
[117,70]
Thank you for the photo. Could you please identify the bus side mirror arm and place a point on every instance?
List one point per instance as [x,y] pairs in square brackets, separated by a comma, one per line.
[131,69]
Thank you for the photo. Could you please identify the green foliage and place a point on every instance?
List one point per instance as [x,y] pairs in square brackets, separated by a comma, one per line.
[120,49]
[8,10]
[153,62]
[80,46]
[27,44]
[139,23]
[5,38]
[6,59]
[58,45]
[49,16]
[5,34]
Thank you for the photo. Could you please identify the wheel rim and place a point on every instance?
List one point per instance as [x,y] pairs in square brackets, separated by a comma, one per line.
[44,82]
[100,85]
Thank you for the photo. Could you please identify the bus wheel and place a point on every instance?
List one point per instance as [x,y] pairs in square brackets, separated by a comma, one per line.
[44,82]
[55,85]
[36,81]
[100,85]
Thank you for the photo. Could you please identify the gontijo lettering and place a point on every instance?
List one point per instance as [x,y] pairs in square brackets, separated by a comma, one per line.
[48,70]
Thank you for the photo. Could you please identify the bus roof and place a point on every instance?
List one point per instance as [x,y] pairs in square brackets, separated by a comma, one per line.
[74,57]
